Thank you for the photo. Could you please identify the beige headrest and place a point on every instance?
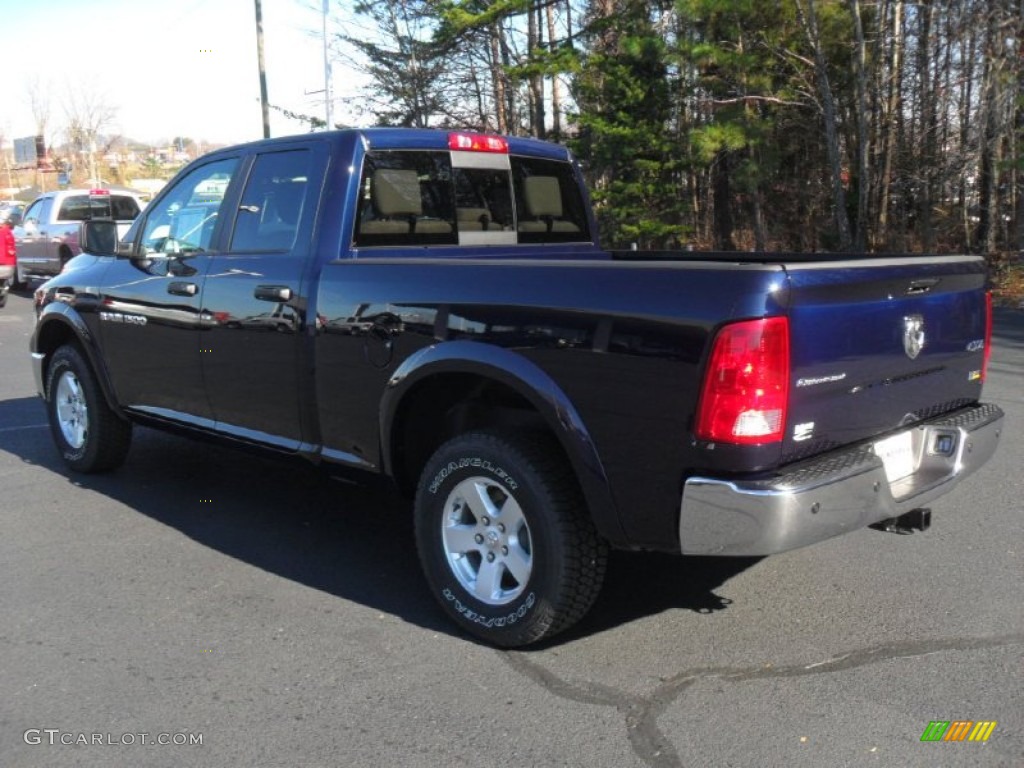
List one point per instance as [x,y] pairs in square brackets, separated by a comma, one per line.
[396,192]
[543,196]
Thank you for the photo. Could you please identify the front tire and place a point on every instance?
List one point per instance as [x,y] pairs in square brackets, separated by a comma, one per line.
[504,538]
[88,434]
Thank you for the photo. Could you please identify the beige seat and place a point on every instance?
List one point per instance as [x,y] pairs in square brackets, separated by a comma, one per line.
[543,199]
[476,220]
[395,194]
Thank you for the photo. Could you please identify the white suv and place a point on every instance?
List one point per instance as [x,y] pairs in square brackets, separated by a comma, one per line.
[47,237]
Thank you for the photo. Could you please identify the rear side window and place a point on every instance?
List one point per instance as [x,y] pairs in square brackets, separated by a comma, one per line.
[548,202]
[272,204]
[406,198]
[82,207]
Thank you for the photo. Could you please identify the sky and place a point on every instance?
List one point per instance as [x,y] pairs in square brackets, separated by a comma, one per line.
[171,67]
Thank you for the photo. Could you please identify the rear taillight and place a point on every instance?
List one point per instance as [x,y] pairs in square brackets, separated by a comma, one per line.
[746,387]
[988,335]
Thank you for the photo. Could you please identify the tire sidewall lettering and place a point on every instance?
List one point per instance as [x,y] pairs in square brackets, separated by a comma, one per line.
[465,606]
[471,463]
[490,622]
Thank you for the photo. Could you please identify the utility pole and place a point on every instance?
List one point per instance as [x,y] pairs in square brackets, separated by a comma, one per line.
[263,70]
[327,71]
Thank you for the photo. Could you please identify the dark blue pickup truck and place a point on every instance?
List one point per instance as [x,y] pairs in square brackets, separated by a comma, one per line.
[435,308]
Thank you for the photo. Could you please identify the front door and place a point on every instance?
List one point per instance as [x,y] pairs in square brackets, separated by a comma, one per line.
[32,235]
[151,319]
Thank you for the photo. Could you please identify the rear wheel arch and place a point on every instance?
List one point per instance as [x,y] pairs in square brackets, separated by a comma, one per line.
[64,254]
[444,405]
[430,403]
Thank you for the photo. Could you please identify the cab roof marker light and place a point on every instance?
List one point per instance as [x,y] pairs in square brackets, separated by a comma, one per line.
[477,142]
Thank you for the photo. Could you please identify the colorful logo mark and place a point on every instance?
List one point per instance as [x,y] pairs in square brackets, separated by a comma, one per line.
[959,730]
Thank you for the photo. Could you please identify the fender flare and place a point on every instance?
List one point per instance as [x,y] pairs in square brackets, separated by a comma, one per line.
[535,386]
[65,315]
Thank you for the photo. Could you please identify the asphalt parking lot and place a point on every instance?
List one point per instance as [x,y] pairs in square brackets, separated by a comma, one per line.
[280,618]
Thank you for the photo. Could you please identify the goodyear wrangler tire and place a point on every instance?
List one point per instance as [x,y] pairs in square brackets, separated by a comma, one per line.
[505,539]
[88,434]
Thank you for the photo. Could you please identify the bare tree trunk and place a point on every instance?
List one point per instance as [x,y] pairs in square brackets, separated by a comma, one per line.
[966,98]
[809,21]
[556,86]
[534,39]
[1018,134]
[895,66]
[760,227]
[863,136]
[722,207]
[926,139]
[498,80]
[879,78]
[988,161]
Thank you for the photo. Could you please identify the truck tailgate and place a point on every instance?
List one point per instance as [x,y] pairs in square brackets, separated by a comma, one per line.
[881,343]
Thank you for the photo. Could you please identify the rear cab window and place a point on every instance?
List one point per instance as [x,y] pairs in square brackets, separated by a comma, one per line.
[83,207]
[455,197]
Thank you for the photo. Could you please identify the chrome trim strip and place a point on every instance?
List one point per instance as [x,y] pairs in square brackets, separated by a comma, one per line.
[343,457]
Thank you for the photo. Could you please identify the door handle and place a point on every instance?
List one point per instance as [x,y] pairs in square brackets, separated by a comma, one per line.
[273,293]
[182,288]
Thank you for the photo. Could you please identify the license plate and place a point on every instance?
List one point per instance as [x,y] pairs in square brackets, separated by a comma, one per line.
[897,455]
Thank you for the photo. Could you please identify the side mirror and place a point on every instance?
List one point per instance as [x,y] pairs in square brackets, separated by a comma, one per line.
[98,237]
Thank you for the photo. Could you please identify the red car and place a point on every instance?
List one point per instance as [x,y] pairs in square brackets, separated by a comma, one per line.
[8,259]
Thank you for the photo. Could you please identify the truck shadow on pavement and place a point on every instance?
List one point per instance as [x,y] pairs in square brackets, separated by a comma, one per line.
[350,541]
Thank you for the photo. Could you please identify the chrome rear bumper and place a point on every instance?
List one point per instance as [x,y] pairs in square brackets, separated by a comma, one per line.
[835,493]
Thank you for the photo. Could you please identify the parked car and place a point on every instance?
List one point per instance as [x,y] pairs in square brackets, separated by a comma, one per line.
[47,236]
[540,398]
[11,210]
[7,259]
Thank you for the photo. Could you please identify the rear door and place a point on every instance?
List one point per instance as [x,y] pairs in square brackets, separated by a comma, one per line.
[256,295]
[877,344]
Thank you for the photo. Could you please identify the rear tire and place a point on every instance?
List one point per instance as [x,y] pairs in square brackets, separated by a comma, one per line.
[88,434]
[64,255]
[505,539]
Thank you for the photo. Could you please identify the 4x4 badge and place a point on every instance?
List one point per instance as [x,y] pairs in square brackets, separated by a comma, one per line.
[913,335]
